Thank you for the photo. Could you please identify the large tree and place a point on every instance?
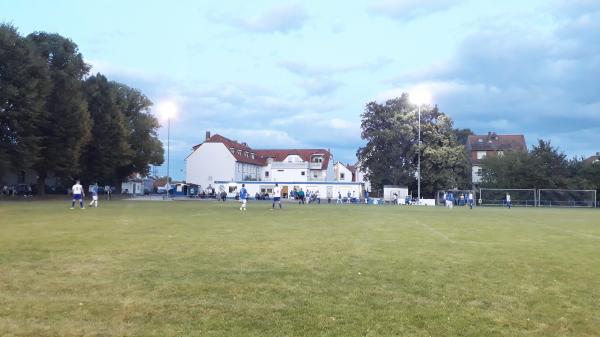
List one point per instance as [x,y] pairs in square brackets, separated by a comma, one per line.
[65,126]
[108,149]
[390,155]
[142,129]
[23,87]
[544,167]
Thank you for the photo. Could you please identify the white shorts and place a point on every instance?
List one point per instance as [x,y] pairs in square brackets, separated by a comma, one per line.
[244,201]
[94,198]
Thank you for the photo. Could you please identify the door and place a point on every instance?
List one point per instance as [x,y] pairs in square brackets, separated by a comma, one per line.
[284,192]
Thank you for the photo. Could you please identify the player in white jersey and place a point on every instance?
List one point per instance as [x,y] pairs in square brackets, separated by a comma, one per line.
[78,194]
[276,196]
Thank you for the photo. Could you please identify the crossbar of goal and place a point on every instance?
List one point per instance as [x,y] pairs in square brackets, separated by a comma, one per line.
[524,197]
[567,198]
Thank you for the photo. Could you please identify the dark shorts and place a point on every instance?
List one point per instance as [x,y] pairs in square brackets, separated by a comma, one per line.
[276,198]
[76,196]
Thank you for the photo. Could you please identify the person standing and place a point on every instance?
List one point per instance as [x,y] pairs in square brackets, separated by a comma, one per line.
[243,197]
[339,198]
[470,200]
[94,196]
[301,196]
[276,196]
[77,191]
[508,204]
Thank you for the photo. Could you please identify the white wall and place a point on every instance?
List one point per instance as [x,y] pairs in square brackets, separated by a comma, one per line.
[323,189]
[476,177]
[339,169]
[208,163]
[289,174]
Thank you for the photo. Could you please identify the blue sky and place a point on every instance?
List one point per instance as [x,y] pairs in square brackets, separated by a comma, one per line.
[298,74]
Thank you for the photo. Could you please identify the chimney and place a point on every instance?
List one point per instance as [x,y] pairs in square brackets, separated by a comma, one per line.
[207,135]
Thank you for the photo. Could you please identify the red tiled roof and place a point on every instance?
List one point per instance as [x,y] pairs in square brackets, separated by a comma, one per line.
[494,142]
[258,160]
[261,156]
[497,142]
[592,159]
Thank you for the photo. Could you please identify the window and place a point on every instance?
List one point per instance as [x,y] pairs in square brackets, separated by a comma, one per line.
[232,150]
[342,176]
[252,155]
[317,159]
[246,154]
[315,175]
[239,152]
[481,154]
[266,174]
[302,173]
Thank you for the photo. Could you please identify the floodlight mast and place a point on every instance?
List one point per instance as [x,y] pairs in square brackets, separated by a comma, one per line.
[168,110]
[419,97]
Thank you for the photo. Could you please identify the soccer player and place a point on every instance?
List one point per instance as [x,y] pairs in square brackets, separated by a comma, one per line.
[508,201]
[243,197]
[470,200]
[339,198]
[78,194]
[94,195]
[276,196]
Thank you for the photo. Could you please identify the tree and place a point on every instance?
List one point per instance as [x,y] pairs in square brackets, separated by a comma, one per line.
[462,135]
[142,131]
[544,167]
[109,148]
[390,155]
[23,87]
[65,125]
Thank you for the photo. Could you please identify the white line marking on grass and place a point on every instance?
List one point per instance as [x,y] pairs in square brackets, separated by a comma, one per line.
[435,231]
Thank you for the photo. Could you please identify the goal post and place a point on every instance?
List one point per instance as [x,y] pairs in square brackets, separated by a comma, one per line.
[567,198]
[497,197]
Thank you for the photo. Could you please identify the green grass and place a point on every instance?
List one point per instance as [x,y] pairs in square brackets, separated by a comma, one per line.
[206,269]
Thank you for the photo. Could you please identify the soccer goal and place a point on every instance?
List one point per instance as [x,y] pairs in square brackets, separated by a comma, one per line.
[567,198]
[460,197]
[497,197]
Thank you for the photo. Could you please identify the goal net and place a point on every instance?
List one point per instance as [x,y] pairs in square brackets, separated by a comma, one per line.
[566,198]
[497,197]
[460,197]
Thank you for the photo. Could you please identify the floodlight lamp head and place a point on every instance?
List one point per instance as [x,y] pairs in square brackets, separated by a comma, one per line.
[420,96]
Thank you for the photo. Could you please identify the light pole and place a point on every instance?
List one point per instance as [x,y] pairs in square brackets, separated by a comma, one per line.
[168,155]
[419,97]
[168,110]
[419,160]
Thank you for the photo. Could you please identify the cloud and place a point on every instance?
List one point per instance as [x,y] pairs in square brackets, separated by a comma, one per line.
[320,86]
[406,10]
[517,78]
[305,69]
[283,19]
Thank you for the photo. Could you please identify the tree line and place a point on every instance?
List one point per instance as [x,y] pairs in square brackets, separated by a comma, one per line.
[57,118]
[390,155]
[545,166]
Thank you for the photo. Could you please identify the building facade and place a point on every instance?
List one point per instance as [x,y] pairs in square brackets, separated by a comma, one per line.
[224,164]
[480,147]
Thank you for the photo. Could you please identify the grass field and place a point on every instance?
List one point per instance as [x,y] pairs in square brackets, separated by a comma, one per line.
[205,269]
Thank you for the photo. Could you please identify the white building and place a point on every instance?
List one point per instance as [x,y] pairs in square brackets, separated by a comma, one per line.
[220,162]
[351,173]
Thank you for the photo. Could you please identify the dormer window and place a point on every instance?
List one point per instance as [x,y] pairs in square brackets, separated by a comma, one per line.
[317,159]
[239,152]
[252,155]
[232,150]
[246,154]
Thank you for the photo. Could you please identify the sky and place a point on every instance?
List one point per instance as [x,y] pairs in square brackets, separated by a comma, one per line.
[294,74]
